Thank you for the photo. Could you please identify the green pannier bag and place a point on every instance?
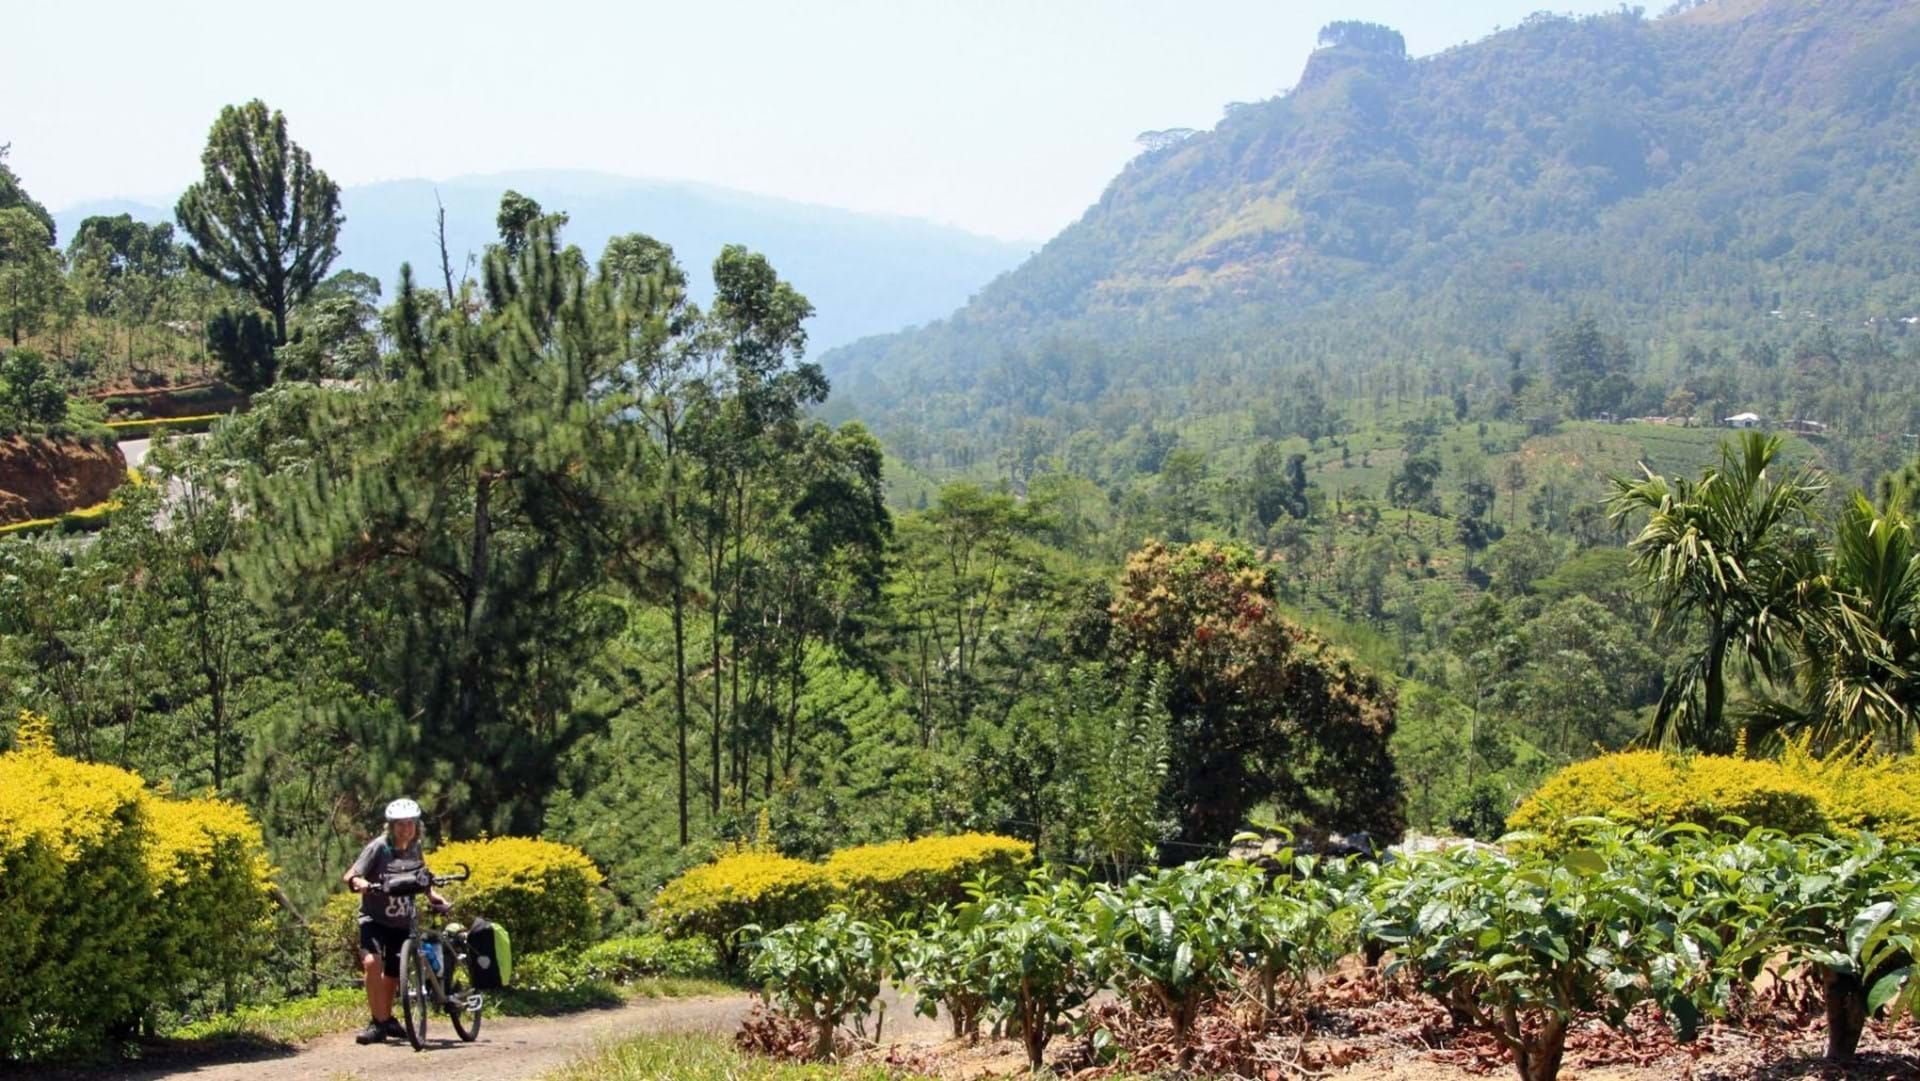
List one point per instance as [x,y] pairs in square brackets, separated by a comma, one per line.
[489,955]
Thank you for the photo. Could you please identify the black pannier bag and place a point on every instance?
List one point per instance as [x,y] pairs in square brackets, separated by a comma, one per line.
[489,956]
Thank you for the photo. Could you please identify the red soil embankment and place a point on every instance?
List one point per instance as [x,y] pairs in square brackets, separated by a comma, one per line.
[45,478]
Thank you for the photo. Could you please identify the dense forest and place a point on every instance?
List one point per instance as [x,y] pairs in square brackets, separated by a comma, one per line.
[1347,472]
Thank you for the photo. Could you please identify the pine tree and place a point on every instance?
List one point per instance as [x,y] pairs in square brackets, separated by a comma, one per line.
[489,495]
[262,219]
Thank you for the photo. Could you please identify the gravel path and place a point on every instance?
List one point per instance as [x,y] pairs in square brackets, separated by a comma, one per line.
[508,1047]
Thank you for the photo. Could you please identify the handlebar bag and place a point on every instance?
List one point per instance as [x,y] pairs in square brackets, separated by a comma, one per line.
[489,955]
[404,884]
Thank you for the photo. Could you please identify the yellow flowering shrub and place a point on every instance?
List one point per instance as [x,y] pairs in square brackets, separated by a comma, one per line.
[336,933]
[73,883]
[904,878]
[112,897]
[542,892]
[750,887]
[1861,788]
[211,881]
[1649,788]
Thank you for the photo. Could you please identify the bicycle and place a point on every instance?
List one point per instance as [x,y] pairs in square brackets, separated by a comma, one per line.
[422,986]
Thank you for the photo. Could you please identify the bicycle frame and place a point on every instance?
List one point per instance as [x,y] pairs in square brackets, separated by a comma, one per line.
[432,981]
[452,950]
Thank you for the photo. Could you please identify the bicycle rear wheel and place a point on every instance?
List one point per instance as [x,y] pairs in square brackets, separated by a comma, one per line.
[413,994]
[463,1003]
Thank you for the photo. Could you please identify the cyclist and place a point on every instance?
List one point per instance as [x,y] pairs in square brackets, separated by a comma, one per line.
[386,921]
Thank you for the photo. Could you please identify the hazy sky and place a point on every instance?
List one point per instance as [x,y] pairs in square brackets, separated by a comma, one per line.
[1004,117]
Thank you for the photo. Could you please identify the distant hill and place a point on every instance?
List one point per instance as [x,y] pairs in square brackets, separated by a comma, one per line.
[866,274]
[1712,172]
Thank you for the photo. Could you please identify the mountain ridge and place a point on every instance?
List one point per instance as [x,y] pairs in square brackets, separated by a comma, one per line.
[865,273]
[1687,174]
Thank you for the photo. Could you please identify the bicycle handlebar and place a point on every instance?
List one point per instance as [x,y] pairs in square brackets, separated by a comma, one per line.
[421,881]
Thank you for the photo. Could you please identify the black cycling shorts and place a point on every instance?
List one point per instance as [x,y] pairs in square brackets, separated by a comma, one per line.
[384,942]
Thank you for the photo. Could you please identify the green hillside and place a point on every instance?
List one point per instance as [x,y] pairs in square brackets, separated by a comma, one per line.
[1737,177]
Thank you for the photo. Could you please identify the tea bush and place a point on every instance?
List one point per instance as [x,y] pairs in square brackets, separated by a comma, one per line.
[1521,942]
[823,971]
[542,892]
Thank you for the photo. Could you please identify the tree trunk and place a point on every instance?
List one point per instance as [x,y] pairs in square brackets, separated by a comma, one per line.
[217,707]
[277,304]
[1846,996]
[1033,1035]
[1539,1058]
[793,706]
[733,643]
[716,555]
[476,597]
[1716,685]
[446,271]
[1182,1016]
[680,691]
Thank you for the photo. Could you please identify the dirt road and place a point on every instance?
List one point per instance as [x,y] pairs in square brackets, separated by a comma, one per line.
[508,1047]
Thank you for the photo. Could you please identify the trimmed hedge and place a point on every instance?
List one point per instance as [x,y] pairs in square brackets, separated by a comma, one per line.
[542,892]
[905,878]
[895,881]
[1845,793]
[84,520]
[113,898]
[1645,789]
[763,888]
[146,426]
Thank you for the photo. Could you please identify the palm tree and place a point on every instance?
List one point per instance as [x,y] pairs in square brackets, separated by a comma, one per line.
[1725,549]
[1858,665]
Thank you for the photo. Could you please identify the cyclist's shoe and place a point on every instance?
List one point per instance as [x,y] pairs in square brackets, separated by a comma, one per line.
[374,1033]
[395,1029]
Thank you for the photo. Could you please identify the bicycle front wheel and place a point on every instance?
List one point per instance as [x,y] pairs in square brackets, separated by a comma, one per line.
[463,1003]
[414,994]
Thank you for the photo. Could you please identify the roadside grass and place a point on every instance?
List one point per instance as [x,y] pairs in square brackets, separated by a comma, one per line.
[710,1057]
[294,1021]
[704,1057]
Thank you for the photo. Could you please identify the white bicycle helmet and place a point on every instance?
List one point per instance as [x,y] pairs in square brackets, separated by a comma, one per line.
[402,809]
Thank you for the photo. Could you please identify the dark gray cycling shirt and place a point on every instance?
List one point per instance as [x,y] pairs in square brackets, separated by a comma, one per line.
[376,861]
